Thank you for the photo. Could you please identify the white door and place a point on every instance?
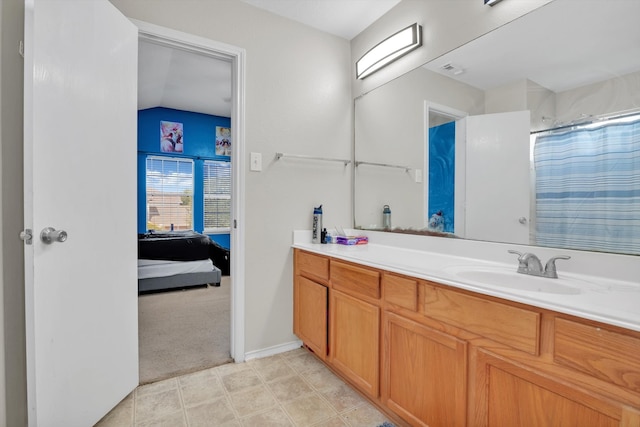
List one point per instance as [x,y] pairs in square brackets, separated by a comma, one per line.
[497,177]
[80,177]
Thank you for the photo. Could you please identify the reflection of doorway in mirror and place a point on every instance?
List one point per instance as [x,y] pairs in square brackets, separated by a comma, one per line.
[444,164]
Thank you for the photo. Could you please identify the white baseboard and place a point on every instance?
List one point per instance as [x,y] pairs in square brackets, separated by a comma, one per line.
[270,351]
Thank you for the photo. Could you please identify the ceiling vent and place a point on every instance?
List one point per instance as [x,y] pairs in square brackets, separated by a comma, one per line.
[452,69]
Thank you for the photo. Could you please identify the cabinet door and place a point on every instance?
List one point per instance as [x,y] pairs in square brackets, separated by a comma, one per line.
[310,315]
[424,373]
[355,336]
[509,395]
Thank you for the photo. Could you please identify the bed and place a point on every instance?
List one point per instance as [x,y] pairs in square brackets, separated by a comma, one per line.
[176,259]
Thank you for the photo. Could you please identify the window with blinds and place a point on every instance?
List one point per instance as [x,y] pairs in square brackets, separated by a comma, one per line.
[169,193]
[217,196]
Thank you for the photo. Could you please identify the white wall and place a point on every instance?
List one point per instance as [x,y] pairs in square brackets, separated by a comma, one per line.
[615,95]
[610,96]
[3,411]
[11,66]
[509,97]
[297,101]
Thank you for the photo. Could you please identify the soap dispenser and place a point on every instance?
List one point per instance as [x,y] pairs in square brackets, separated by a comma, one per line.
[386,217]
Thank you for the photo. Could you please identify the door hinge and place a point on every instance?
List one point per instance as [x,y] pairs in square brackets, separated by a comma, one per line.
[27,236]
[235,223]
[21,48]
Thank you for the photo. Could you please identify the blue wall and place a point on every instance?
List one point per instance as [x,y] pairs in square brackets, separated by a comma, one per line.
[199,136]
[442,151]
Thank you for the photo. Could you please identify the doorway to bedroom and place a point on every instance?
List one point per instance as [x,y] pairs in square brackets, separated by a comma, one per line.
[184,203]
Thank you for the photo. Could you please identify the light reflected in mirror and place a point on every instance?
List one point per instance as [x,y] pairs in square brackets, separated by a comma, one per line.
[451,149]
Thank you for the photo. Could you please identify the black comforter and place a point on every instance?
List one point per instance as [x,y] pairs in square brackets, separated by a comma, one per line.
[182,246]
[174,246]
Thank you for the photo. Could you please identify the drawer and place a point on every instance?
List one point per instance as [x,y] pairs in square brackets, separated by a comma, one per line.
[311,264]
[400,291]
[513,326]
[355,280]
[604,354]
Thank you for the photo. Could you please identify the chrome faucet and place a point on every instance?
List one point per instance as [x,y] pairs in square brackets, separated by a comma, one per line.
[530,264]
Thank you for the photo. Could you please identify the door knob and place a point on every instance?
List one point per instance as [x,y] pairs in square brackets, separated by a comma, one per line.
[50,235]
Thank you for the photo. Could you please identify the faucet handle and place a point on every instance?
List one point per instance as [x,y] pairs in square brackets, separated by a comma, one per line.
[520,255]
[550,267]
[522,263]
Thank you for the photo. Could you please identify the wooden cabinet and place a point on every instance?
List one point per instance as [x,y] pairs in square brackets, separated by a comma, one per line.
[355,280]
[310,296]
[424,373]
[514,326]
[310,314]
[610,356]
[435,355]
[514,396]
[310,265]
[354,324]
[354,337]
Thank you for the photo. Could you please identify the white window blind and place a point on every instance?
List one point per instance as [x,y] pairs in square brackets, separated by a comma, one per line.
[217,196]
[169,193]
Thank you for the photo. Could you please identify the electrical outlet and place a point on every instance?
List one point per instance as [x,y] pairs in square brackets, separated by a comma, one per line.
[256,162]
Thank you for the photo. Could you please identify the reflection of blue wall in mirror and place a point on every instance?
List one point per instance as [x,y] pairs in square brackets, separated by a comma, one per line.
[442,173]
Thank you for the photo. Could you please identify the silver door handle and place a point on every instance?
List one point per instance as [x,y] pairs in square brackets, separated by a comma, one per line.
[50,235]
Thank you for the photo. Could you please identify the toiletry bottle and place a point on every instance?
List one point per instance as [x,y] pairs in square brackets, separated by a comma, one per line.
[317,225]
[386,217]
[323,236]
[329,237]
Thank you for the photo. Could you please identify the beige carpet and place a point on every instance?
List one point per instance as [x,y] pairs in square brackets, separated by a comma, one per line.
[183,331]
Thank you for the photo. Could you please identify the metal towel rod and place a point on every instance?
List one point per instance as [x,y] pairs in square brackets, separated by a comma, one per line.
[406,168]
[298,156]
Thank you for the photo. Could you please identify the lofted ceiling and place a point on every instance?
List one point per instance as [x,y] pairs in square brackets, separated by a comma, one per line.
[172,78]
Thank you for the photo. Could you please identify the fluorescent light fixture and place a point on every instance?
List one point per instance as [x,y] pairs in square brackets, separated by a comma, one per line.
[491,2]
[388,50]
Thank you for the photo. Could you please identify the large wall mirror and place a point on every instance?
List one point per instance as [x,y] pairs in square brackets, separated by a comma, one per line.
[529,134]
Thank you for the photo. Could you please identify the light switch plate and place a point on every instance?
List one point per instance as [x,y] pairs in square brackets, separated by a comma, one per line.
[418,175]
[256,162]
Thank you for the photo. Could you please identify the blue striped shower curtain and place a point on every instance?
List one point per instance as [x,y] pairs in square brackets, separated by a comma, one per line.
[588,188]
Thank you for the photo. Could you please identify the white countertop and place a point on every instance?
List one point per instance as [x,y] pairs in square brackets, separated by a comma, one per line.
[607,300]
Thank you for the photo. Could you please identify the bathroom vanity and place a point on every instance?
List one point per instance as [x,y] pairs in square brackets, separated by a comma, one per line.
[422,337]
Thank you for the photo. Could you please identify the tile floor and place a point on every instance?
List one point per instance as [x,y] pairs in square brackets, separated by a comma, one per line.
[288,389]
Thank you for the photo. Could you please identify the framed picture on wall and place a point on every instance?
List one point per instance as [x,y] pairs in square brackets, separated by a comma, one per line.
[223,141]
[171,140]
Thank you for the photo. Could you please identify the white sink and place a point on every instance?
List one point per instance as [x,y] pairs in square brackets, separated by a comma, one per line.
[509,278]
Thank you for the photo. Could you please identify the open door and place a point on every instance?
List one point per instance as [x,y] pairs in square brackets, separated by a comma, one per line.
[80,178]
[498,197]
